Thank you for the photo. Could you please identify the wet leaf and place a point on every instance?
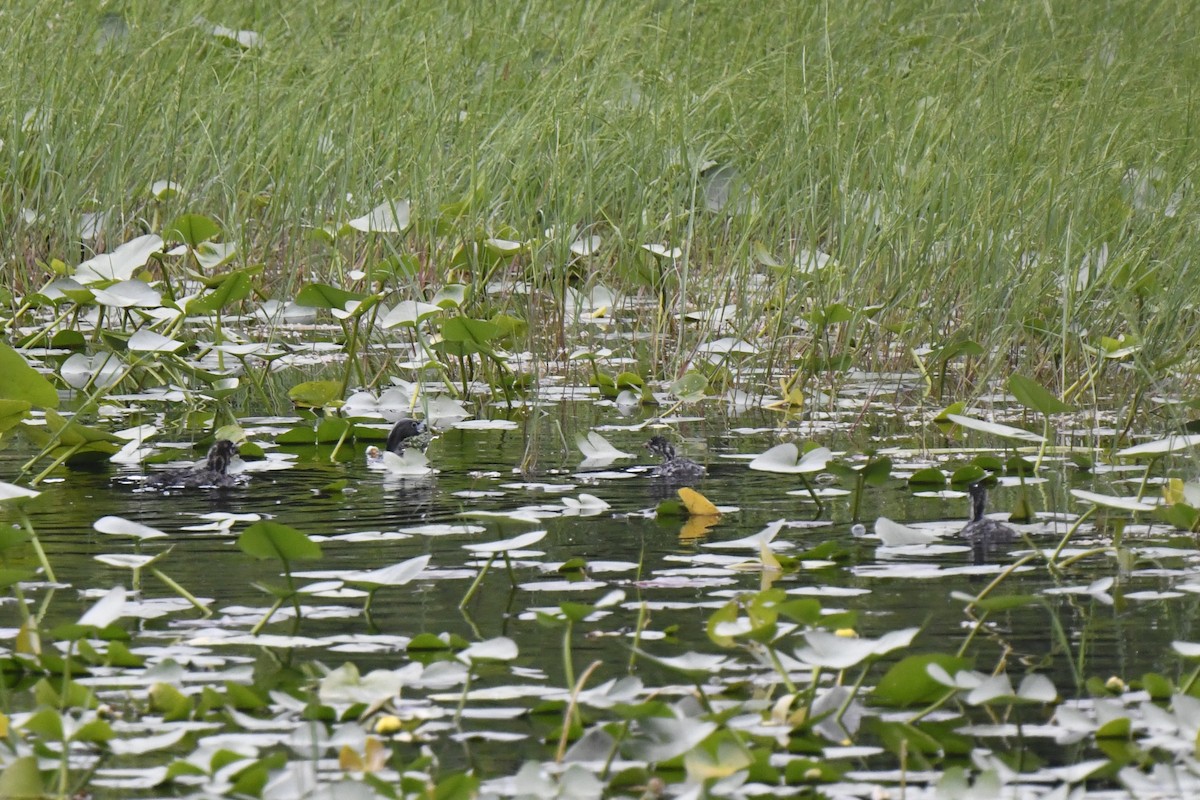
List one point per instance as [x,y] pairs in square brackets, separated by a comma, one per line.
[835,652]
[267,539]
[690,387]
[21,382]
[696,503]
[786,459]
[996,429]
[191,229]
[1033,395]
[908,683]
[316,394]
[392,216]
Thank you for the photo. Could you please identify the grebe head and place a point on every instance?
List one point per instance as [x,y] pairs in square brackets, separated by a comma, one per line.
[219,456]
[978,492]
[661,447]
[402,430]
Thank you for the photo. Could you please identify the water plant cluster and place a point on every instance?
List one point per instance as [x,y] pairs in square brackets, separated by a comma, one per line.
[853,284]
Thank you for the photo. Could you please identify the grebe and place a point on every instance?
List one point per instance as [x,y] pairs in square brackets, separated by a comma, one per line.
[673,467]
[408,433]
[405,456]
[981,529]
[213,474]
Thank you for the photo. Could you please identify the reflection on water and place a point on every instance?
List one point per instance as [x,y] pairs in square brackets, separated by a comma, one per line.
[657,562]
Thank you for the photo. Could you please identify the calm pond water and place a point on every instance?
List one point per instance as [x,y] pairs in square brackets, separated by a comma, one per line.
[678,576]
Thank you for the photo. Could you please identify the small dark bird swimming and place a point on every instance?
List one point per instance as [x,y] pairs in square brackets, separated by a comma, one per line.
[673,467]
[980,529]
[213,474]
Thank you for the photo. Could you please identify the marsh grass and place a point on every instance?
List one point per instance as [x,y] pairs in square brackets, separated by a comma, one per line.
[1020,175]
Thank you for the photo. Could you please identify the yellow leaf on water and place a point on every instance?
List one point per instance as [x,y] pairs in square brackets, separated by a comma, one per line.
[769,561]
[696,503]
[373,758]
[349,760]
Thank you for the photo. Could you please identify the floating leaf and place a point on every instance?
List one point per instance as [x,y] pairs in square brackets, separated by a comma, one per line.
[690,387]
[128,294]
[107,610]
[696,503]
[119,526]
[145,341]
[409,312]
[927,477]
[996,429]
[893,534]
[387,217]
[836,652]
[785,458]
[10,492]
[663,252]
[120,264]
[395,575]
[474,334]
[908,683]
[1109,501]
[1161,446]
[596,448]
[504,545]
[316,394]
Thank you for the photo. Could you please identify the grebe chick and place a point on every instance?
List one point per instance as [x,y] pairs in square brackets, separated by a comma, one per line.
[673,467]
[213,474]
[981,529]
[408,433]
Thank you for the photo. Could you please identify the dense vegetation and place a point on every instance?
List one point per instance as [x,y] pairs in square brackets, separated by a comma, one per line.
[1019,176]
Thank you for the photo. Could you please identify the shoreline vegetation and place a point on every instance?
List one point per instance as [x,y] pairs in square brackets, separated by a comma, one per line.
[855,185]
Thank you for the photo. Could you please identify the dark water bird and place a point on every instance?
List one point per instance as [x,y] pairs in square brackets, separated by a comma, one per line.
[980,529]
[214,473]
[673,467]
[408,433]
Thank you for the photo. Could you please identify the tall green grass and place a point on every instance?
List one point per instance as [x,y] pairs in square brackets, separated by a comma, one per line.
[957,160]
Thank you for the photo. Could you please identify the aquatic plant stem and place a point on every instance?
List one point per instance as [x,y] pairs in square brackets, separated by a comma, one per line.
[182,592]
[1185,688]
[475,584]
[1002,577]
[462,698]
[351,354]
[572,710]
[862,676]
[35,480]
[778,665]
[568,665]
[1067,536]
[37,546]
[267,617]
